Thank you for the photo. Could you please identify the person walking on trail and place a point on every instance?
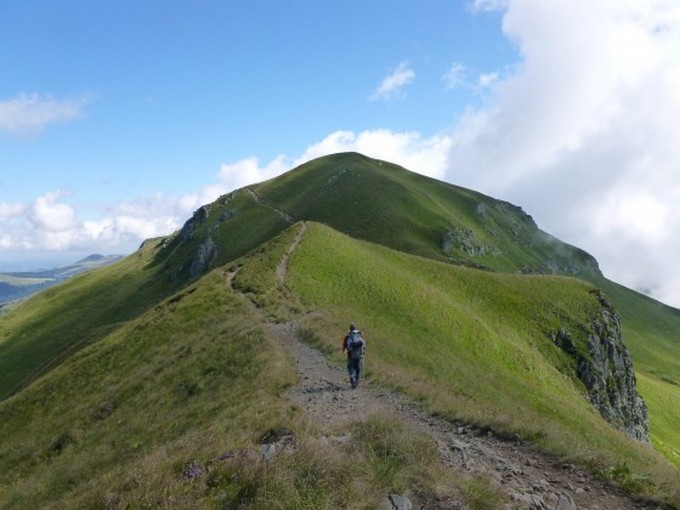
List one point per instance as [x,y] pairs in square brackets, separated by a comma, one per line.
[354,345]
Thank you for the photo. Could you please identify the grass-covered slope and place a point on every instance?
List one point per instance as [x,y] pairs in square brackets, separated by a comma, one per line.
[170,407]
[120,422]
[473,345]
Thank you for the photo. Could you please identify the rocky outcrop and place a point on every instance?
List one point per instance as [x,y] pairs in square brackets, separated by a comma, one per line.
[189,228]
[606,369]
[205,255]
[463,240]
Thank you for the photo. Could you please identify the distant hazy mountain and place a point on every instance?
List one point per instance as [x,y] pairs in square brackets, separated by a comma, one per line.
[18,285]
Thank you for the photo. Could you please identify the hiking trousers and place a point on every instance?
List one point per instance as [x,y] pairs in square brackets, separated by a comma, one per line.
[354,367]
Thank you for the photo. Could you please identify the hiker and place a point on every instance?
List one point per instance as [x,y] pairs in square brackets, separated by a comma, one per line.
[354,346]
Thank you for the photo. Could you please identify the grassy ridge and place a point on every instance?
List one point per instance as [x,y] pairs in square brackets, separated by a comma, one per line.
[473,345]
[235,223]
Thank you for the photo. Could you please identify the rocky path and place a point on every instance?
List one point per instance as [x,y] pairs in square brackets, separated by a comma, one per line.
[531,480]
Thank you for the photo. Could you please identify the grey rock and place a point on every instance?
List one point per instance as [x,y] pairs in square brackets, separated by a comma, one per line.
[565,502]
[607,372]
[462,239]
[396,502]
[268,451]
[529,501]
[205,256]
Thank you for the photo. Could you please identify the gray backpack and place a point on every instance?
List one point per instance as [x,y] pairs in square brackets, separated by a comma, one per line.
[355,345]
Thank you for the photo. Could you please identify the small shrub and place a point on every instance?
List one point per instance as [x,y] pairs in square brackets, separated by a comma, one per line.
[630,482]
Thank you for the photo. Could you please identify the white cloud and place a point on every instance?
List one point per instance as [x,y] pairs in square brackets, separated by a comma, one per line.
[29,114]
[49,215]
[8,210]
[394,82]
[583,132]
[51,224]
[248,171]
[427,156]
[455,76]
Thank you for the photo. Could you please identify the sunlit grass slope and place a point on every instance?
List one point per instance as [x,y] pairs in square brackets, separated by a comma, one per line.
[44,330]
[471,344]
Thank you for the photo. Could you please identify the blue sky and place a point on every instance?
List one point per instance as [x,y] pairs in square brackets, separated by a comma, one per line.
[118,119]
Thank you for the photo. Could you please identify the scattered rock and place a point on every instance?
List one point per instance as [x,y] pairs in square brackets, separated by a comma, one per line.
[275,441]
[106,410]
[192,469]
[243,453]
[529,501]
[268,451]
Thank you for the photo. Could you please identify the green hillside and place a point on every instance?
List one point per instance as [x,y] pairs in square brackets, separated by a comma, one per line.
[473,345]
[386,204]
[391,206]
[459,294]
[120,422]
[170,408]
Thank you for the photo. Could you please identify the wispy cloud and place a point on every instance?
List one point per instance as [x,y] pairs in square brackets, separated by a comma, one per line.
[487,80]
[29,114]
[394,82]
[455,76]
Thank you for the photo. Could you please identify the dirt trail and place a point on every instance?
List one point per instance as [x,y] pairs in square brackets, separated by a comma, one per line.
[261,202]
[531,480]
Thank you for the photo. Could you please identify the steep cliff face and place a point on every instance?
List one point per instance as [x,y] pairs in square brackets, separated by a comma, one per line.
[605,367]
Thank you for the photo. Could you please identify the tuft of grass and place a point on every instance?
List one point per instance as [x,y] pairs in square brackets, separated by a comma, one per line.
[482,493]
[399,458]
